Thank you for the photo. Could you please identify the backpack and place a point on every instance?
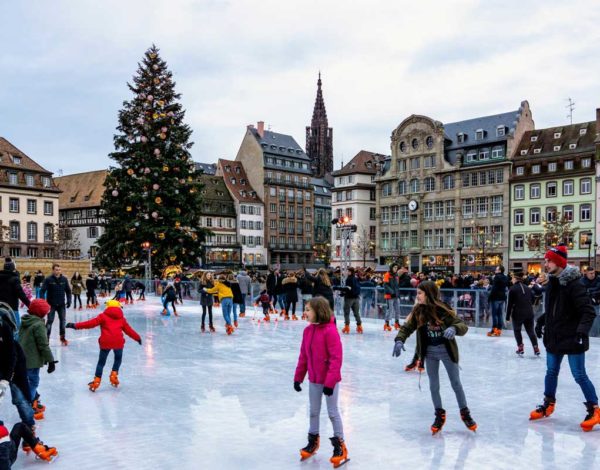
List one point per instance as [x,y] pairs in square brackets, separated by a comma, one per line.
[264,298]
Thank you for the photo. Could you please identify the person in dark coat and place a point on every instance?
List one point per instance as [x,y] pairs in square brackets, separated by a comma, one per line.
[565,326]
[206,300]
[128,288]
[272,281]
[306,290]
[56,289]
[289,288]
[37,283]
[497,300]
[11,290]
[520,309]
[234,285]
[321,285]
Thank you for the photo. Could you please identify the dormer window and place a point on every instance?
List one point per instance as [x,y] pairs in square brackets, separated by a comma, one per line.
[232,180]
[582,131]
[556,148]
[45,181]
[460,137]
[237,169]
[227,168]
[73,198]
[572,146]
[29,180]
[537,150]
[12,178]
[568,164]
[523,152]
[500,131]
[520,171]
[479,133]
[557,135]
[534,138]
[16,160]
[243,182]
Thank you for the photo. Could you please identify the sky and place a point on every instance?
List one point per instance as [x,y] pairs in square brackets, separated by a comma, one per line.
[64,66]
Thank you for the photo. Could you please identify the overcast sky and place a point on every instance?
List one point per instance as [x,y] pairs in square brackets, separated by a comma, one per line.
[64,66]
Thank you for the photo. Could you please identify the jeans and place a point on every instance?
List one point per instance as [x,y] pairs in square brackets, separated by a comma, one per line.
[315,395]
[23,405]
[18,432]
[435,355]
[392,304]
[365,305]
[351,304]
[281,300]
[243,304]
[37,292]
[234,308]
[33,377]
[166,303]
[226,306]
[497,313]
[102,360]
[60,309]
[577,365]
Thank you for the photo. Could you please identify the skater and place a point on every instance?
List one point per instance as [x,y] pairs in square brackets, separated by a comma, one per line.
[206,300]
[141,288]
[390,289]
[520,308]
[128,288]
[234,285]
[436,325]
[56,289]
[497,299]
[289,288]
[351,293]
[321,355]
[177,285]
[321,285]
[112,325]
[38,279]
[33,340]
[9,445]
[225,299]
[246,287]
[565,325]
[169,297]
[306,289]
[265,302]
[103,285]
[367,294]
[11,290]
[272,282]
[90,292]
[76,288]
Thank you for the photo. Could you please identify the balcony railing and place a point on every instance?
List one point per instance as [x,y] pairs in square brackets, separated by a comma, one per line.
[281,182]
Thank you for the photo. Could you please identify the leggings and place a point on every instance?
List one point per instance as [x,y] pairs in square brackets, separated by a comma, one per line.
[435,355]
[204,309]
[21,431]
[528,324]
[315,395]
[128,296]
[90,298]
[102,360]
[76,297]
[290,307]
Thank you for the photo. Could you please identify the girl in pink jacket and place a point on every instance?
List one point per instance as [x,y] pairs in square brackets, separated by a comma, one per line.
[321,357]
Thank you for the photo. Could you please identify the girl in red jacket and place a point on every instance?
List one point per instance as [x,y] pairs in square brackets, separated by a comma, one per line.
[112,325]
[321,356]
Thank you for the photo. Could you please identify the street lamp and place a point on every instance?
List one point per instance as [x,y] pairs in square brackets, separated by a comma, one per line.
[459,248]
[148,269]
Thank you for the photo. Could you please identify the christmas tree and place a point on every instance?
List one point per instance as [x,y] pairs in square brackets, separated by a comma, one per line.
[153,194]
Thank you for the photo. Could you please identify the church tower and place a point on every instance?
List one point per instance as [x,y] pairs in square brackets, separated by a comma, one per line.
[319,138]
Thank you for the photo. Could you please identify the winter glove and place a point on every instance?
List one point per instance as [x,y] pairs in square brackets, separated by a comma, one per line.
[580,338]
[327,391]
[52,366]
[3,388]
[68,305]
[297,386]
[140,341]
[539,330]
[70,325]
[450,333]
[398,348]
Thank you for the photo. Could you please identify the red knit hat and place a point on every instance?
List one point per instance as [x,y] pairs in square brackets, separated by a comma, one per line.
[4,436]
[558,255]
[39,308]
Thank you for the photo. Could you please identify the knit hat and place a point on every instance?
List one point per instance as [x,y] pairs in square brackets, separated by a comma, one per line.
[39,308]
[558,255]
[4,435]
[113,303]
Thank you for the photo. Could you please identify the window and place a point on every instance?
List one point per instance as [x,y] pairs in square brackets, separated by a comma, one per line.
[535,169]
[450,209]
[519,242]
[524,152]
[467,207]
[429,143]
[556,148]
[568,164]
[582,131]
[48,208]
[520,171]
[401,164]
[467,235]
[429,184]
[585,186]
[586,163]
[537,150]
[272,207]
[386,189]
[551,189]
[428,211]
[12,177]
[557,135]
[519,217]
[479,134]
[497,152]
[385,215]
[31,232]
[567,212]
[551,214]
[484,154]
[483,178]
[395,214]
[402,187]
[29,180]
[439,209]
[568,188]
[427,238]
[572,146]
[450,237]
[403,147]
[415,144]
[460,138]
[372,211]
[404,213]
[482,206]
[534,215]
[429,161]
[415,163]
[414,186]
[438,238]
[519,192]
[15,231]
[448,182]
[535,191]
[31,206]
[13,204]
[552,166]
[471,156]
[585,212]
[500,131]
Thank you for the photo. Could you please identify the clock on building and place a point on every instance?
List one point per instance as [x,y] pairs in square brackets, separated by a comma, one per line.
[413,205]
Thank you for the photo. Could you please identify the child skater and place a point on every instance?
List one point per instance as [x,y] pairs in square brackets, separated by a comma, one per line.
[436,325]
[9,445]
[169,297]
[321,355]
[112,325]
[265,302]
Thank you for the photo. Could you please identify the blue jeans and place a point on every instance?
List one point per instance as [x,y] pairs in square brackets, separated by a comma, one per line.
[577,365]
[226,306]
[23,405]
[234,308]
[102,360]
[497,313]
[243,304]
[365,305]
[60,309]
[33,377]
[281,300]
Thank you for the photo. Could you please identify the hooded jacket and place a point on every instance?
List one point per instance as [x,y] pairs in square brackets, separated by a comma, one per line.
[321,355]
[112,325]
[520,302]
[33,338]
[568,312]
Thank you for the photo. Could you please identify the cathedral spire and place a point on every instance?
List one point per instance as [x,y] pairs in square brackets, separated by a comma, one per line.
[319,137]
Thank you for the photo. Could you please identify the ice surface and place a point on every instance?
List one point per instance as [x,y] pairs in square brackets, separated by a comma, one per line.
[202,401]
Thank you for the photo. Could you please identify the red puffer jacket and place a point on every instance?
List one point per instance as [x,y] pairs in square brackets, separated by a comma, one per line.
[112,325]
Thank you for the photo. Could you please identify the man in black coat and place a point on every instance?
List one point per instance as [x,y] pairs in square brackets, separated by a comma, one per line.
[56,288]
[37,283]
[11,291]
[351,293]
[565,325]
[520,309]
[497,299]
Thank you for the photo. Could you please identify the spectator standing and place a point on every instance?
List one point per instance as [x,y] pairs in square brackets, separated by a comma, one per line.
[497,300]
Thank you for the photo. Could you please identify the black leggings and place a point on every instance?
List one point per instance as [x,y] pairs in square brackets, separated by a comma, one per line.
[204,309]
[290,308]
[128,296]
[91,298]
[528,324]
[76,297]
[21,431]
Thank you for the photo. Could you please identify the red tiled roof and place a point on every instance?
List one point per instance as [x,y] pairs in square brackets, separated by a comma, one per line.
[363,162]
[81,190]
[8,150]
[237,182]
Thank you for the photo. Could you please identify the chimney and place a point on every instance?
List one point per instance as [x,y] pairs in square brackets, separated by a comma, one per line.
[250,126]
[260,126]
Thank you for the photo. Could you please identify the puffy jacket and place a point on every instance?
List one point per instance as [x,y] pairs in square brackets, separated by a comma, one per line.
[223,291]
[499,285]
[11,290]
[320,355]
[289,288]
[352,288]
[592,287]
[55,289]
[112,324]
[306,287]
[520,302]
[245,282]
[34,341]
[568,311]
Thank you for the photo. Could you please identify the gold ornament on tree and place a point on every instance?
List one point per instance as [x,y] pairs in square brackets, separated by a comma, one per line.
[158,200]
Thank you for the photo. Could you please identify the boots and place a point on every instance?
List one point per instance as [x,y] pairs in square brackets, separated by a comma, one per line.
[536,350]
[396,325]
[94,384]
[439,421]
[38,415]
[286,316]
[37,404]
[294,317]
[202,329]
[520,350]
[235,323]
[465,415]
[64,341]
[311,448]
[211,329]
[544,410]
[359,329]
[267,317]
[346,329]
[492,332]
[386,326]
[114,378]
[413,364]
[229,329]
[592,418]
[44,452]
[340,453]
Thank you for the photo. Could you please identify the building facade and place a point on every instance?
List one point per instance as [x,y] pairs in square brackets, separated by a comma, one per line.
[553,195]
[319,138]
[279,171]
[354,196]
[322,221]
[28,206]
[80,221]
[250,210]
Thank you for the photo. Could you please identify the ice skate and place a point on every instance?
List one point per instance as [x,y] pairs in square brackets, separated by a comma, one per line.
[38,415]
[94,384]
[282,313]
[492,332]
[267,318]
[164,311]
[235,323]
[465,415]
[229,329]
[346,329]
[64,341]
[439,421]
[202,329]
[387,327]
[211,329]
[420,366]
[44,452]
[242,314]
[37,404]
[359,329]
[311,448]
[520,350]
[592,418]
[286,317]
[294,317]
[413,364]
[536,351]
[544,410]
[397,325]
[340,453]
[114,378]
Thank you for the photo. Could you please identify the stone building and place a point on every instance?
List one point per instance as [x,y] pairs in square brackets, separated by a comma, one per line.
[319,138]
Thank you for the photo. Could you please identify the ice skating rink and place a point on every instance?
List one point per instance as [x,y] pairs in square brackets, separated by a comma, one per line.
[199,401]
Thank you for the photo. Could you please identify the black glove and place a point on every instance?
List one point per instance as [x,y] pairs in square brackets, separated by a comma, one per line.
[140,341]
[70,325]
[539,330]
[68,305]
[297,386]
[327,391]
[52,366]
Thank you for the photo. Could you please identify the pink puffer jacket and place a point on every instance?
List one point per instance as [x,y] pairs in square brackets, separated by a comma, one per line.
[320,355]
